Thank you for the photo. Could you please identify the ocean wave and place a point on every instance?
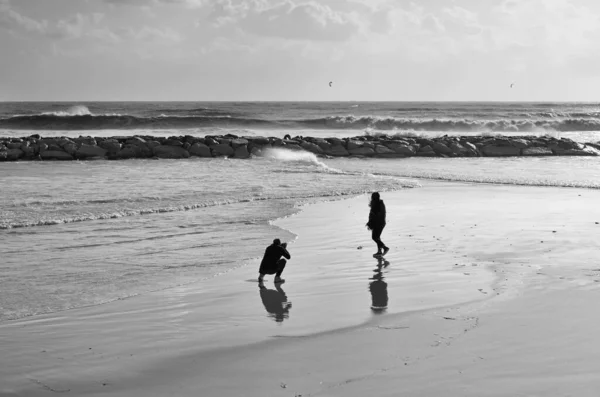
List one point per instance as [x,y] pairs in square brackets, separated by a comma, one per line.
[81,121]
[457,125]
[180,208]
[54,121]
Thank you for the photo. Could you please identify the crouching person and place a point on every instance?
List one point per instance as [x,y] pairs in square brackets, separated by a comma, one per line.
[272,262]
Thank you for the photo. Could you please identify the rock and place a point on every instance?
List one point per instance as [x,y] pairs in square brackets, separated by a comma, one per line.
[14,154]
[352,145]
[222,149]
[323,144]
[441,148]
[192,139]
[520,143]
[424,142]
[42,147]
[337,150]
[86,151]
[136,140]
[499,151]
[55,155]
[88,140]
[563,144]
[426,151]
[362,151]
[276,142]
[29,151]
[259,140]
[241,152]
[170,152]
[383,150]
[70,148]
[311,147]
[335,141]
[294,147]
[111,146]
[172,142]
[459,150]
[127,152]
[62,142]
[536,151]
[200,150]
[577,152]
[471,147]
[239,142]
[152,144]
[3,155]
[402,149]
[224,141]
[14,145]
[55,147]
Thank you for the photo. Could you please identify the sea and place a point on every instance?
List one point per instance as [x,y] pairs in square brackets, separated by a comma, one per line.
[79,233]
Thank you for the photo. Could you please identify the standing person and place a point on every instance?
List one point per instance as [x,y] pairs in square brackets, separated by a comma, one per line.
[272,262]
[377,223]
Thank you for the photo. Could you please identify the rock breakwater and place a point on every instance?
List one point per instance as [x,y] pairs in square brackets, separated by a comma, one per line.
[35,147]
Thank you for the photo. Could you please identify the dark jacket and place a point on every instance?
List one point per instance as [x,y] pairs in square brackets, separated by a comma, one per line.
[377,216]
[272,254]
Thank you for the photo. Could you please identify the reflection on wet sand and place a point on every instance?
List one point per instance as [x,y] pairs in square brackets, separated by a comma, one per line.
[378,288]
[275,302]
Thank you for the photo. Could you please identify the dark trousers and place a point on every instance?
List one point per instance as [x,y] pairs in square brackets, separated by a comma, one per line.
[376,236]
[278,269]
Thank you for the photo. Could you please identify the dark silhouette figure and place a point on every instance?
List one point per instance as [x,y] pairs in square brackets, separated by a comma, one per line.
[272,262]
[377,223]
[378,288]
[275,302]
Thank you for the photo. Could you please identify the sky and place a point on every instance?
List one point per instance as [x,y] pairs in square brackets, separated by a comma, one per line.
[289,50]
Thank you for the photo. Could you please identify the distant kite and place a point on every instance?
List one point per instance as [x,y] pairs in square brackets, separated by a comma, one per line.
[330,83]
[511,85]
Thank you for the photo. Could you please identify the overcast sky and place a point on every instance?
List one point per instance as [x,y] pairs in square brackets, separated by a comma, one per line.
[291,49]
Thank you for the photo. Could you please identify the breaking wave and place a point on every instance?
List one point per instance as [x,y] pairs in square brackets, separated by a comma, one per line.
[80,118]
[301,157]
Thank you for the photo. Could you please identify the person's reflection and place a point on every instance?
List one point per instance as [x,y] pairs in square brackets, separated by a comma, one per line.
[378,288]
[275,301]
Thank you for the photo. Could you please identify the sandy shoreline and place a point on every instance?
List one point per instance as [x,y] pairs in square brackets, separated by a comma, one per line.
[491,256]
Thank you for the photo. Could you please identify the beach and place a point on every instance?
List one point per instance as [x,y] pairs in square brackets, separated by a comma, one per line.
[158,156]
[487,289]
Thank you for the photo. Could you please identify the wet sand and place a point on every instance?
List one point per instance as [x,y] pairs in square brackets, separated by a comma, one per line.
[487,291]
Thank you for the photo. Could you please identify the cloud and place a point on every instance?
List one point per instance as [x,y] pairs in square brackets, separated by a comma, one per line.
[150,3]
[79,25]
[285,19]
[152,34]
[73,27]
[547,23]
[11,19]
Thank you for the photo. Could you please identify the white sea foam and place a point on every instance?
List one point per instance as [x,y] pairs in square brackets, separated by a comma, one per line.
[77,110]
[286,155]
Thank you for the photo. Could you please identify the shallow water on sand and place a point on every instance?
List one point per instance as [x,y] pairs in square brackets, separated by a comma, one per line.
[84,233]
